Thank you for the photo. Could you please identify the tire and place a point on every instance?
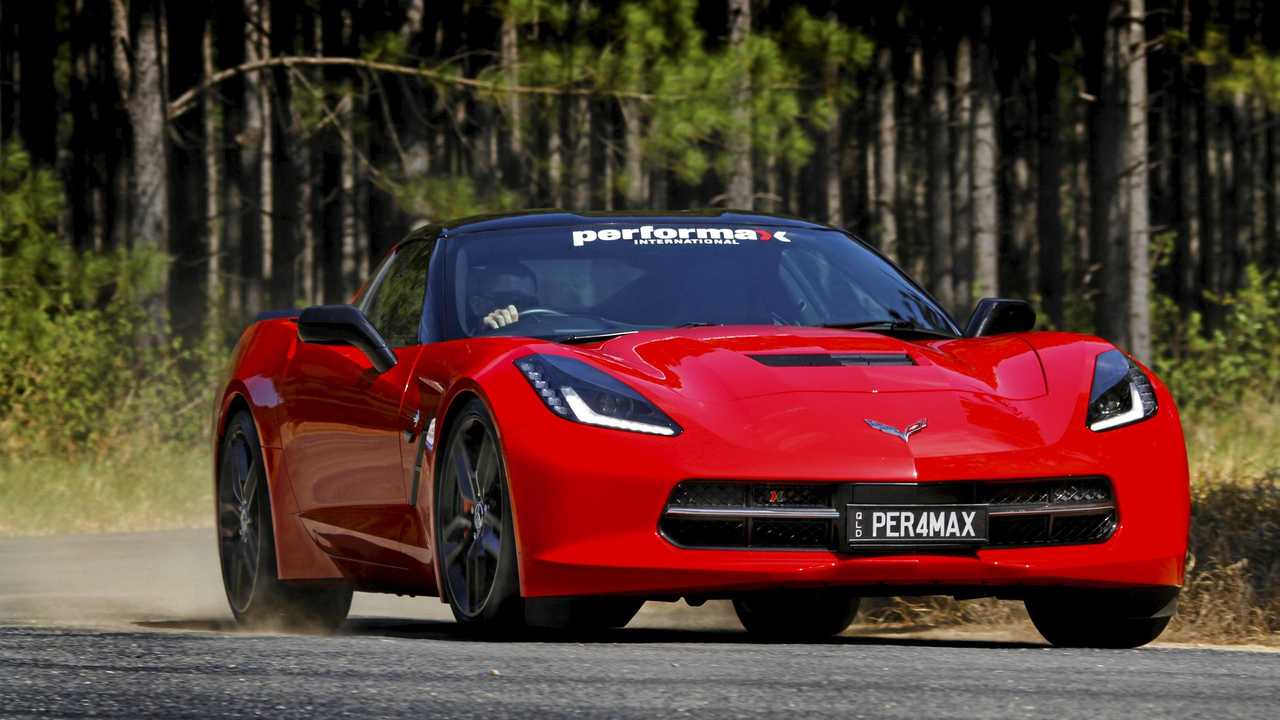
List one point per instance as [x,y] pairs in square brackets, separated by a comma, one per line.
[1102,619]
[797,614]
[474,528]
[247,548]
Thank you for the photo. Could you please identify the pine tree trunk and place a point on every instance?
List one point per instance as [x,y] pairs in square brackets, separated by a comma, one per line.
[305,157]
[38,109]
[1138,225]
[333,199]
[143,80]
[985,236]
[1270,232]
[636,177]
[1108,138]
[1208,274]
[740,188]
[962,177]
[188,190]
[214,292]
[1271,137]
[1181,179]
[286,240]
[251,146]
[601,166]
[81,188]
[8,71]
[831,173]
[886,157]
[1048,176]
[513,148]
[938,185]
[1228,128]
[913,247]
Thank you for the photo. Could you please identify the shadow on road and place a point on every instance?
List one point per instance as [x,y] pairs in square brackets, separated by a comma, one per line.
[443,630]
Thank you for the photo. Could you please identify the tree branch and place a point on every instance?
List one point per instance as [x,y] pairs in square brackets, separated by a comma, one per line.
[186,100]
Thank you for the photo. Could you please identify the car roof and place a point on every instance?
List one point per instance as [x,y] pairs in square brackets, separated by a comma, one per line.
[560,218]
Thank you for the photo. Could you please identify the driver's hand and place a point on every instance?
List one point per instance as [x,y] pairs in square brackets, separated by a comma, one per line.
[502,317]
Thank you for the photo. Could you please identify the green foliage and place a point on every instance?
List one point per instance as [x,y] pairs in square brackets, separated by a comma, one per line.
[435,199]
[838,51]
[78,366]
[1255,73]
[1240,359]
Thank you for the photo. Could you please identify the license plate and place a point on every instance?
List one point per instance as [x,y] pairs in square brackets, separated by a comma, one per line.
[915,524]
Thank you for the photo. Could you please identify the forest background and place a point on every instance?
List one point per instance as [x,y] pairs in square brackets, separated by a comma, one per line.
[169,169]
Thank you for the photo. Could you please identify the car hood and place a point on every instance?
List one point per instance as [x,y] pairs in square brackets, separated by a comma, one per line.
[744,389]
[741,362]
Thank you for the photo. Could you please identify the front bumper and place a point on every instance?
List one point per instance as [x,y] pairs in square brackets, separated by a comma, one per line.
[588,504]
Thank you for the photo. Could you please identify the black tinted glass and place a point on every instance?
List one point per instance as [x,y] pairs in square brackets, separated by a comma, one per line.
[566,281]
[395,308]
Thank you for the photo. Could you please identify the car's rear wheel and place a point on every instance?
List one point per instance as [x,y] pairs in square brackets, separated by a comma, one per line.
[1102,618]
[247,549]
[475,534]
[796,614]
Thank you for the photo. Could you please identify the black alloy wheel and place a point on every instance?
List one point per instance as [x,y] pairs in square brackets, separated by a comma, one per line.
[475,543]
[238,515]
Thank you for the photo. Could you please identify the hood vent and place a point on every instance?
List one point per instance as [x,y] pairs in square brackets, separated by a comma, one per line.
[833,359]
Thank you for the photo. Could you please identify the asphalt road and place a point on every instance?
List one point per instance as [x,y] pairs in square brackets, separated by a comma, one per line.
[132,626]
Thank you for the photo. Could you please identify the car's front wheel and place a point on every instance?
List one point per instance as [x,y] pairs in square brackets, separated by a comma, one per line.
[1102,618]
[475,534]
[247,548]
[797,614]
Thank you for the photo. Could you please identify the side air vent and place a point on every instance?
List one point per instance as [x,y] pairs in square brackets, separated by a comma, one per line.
[833,359]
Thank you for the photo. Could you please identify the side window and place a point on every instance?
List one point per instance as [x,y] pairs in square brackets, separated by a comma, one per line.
[395,307]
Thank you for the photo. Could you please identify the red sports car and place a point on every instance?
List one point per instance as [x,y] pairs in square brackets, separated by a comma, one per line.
[550,418]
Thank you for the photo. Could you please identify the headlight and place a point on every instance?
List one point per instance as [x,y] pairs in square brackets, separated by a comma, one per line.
[1121,393]
[576,391]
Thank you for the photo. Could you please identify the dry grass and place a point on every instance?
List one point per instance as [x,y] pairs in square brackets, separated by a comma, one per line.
[140,487]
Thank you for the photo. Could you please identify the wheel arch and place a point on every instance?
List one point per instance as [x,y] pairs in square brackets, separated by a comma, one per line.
[297,557]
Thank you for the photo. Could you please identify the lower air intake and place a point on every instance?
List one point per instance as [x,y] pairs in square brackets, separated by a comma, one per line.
[807,516]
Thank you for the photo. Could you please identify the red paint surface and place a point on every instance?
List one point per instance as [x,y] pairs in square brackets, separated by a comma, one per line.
[587,500]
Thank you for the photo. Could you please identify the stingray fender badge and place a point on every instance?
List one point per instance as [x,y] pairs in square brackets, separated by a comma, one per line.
[905,433]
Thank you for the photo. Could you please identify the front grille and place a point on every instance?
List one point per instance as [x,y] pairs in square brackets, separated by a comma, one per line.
[712,514]
[751,515]
[705,494]
[706,533]
[1065,492]
[791,533]
[1058,512]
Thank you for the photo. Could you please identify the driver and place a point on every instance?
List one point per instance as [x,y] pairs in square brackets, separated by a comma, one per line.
[498,291]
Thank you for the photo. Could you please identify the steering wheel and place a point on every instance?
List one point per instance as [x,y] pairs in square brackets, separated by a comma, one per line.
[540,311]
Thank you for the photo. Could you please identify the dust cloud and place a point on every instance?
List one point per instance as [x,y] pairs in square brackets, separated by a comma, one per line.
[171,579]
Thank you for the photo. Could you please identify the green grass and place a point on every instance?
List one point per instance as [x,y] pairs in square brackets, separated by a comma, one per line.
[146,488]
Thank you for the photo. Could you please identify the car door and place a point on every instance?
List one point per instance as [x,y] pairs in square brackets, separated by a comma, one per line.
[346,422]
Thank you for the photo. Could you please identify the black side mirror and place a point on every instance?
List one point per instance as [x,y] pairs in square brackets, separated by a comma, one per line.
[996,316]
[345,325]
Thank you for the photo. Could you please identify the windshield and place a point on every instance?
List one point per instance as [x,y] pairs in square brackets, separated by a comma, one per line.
[564,282]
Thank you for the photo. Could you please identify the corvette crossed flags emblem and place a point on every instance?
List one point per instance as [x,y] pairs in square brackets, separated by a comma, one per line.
[905,433]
